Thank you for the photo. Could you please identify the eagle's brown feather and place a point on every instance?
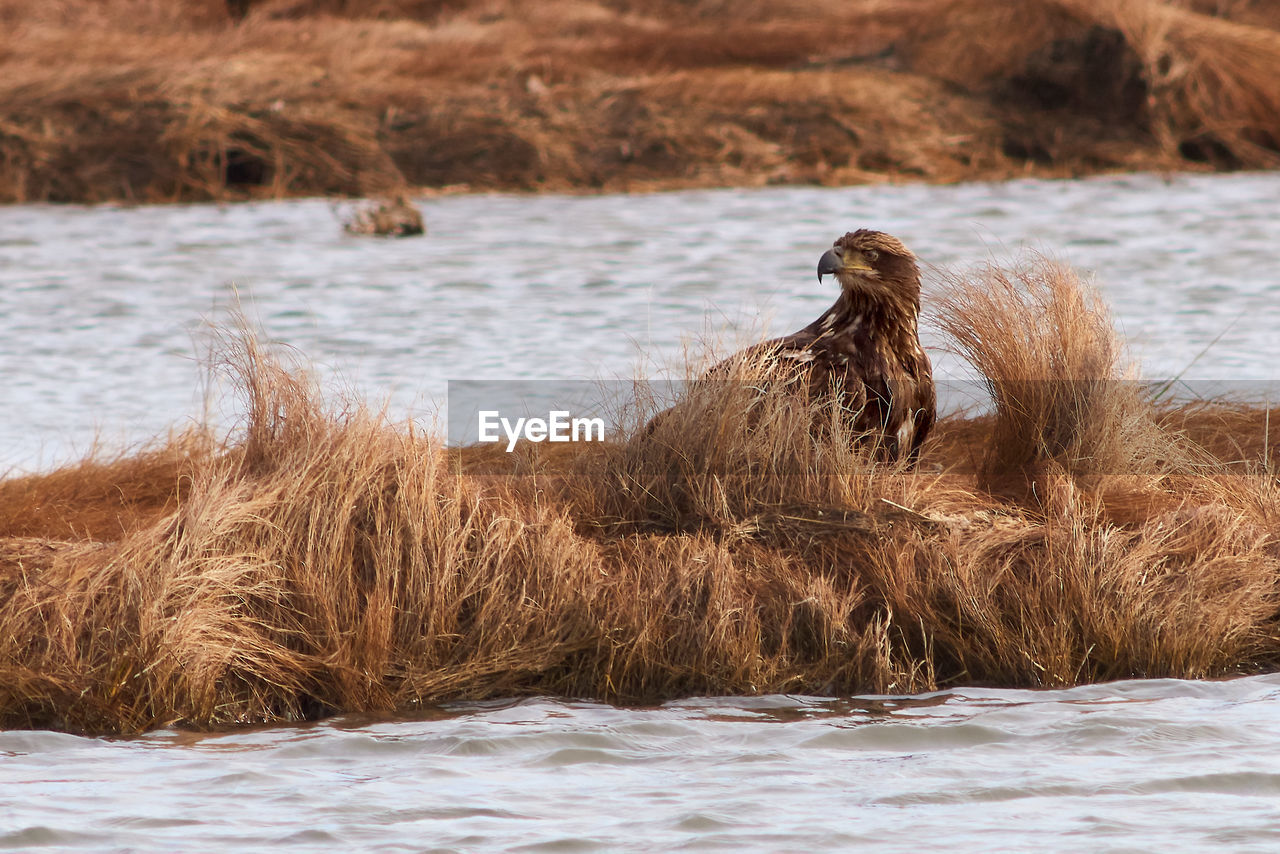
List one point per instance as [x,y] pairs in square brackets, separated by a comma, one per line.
[866,347]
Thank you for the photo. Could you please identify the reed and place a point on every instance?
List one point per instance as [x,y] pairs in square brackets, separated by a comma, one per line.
[323,560]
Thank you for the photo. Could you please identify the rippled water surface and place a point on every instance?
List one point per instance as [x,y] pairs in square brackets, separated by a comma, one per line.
[104,312]
[104,326]
[1133,766]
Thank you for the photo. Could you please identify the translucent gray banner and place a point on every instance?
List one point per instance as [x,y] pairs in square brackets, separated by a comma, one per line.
[504,414]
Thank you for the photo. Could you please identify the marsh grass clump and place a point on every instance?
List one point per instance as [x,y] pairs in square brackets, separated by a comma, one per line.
[1055,370]
[324,562]
[322,559]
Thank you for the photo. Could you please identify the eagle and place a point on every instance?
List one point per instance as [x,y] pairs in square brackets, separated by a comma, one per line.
[865,349]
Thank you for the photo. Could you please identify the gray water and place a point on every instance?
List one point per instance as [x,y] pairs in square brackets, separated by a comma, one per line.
[106,314]
[1133,766]
[107,317]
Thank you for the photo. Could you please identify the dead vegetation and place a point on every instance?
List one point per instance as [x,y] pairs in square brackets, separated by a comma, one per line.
[200,99]
[1189,80]
[323,561]
[391,217]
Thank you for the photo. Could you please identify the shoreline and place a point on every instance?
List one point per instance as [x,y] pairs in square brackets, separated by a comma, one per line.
[424,194]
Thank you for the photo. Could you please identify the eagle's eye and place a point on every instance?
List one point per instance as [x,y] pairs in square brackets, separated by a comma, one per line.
[872,254]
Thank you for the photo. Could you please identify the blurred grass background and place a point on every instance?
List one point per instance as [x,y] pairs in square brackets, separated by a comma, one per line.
[146,101]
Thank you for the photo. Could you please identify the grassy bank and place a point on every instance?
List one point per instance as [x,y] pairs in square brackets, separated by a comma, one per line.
[203,99]
[323,561]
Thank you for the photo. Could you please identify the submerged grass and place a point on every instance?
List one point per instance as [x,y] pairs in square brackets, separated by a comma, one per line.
[202,99]
[328,561]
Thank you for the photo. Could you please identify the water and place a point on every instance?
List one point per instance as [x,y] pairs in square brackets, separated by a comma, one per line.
[1149,766]
[105,312]
[104,317]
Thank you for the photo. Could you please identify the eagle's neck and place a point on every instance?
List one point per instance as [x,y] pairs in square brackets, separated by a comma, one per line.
[860,319]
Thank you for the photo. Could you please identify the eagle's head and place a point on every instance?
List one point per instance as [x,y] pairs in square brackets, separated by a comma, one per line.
[875,265]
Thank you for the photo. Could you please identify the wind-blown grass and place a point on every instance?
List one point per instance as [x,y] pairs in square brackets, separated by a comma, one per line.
[326,560]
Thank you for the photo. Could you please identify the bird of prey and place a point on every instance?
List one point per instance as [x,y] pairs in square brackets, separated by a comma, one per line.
[865,349]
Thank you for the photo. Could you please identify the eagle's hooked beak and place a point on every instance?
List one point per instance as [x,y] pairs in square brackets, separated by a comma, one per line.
[829,263]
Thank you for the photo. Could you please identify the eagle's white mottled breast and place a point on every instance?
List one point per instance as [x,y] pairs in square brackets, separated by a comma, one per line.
[906,431]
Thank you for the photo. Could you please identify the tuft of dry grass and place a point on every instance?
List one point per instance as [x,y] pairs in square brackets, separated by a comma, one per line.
[323,560]
[1055,369]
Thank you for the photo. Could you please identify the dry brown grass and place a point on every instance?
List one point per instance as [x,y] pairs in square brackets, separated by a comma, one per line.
[150,101]
[101,499]
[327,561]
[1063,393]
[1196,80]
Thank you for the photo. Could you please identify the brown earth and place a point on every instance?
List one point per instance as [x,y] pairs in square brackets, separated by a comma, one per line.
[143,100]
